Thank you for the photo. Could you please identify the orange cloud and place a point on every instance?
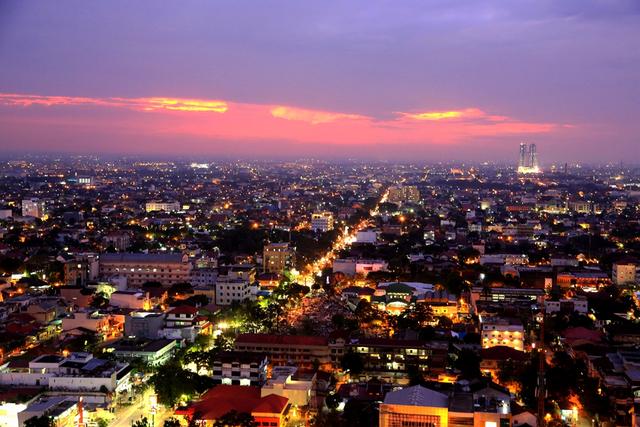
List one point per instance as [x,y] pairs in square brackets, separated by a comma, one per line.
[466,114]
[310,116]
[142,104]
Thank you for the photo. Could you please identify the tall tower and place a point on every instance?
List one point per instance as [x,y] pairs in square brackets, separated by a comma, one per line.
[522,163]
[533,158]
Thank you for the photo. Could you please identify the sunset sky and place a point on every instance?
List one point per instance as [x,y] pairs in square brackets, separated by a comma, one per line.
[401,80]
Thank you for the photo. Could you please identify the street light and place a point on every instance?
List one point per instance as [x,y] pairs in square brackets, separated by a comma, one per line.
[153,402]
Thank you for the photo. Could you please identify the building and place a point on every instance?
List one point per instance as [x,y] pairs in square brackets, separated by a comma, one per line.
[184,323]
[139,268]
[277,257]
[62,410]
[299,350]
[166,206]
[136,300]
[367,236]
[229,291]
[77,372]
[567,305]
[240,368]
[624,272]
[152,352]
[507,332]
[419,406]
[141,324]
[393,355]
[353,266]
[322,221]
[268,410]
[528,160]
[81,269]
[105,326]
[403,194]
[34,207]
[289,382]
[118,240]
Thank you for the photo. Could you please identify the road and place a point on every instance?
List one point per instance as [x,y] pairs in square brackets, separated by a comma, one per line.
[127,415]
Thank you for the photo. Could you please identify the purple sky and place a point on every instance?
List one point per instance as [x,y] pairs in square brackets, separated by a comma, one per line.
[393,79]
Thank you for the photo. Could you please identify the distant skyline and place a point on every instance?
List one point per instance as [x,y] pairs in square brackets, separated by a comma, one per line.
[423,80]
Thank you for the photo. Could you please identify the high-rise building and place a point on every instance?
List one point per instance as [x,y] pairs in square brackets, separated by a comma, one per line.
[277,257]
[403,194]
[322,221]
[522,163]
[528,160]
[34,207]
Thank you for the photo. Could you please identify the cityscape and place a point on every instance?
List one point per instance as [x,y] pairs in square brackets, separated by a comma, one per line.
[223,214]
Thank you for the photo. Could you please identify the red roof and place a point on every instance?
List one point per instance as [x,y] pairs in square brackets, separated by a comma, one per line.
[582,334]
[224,398]
[281,339]
[502,352]
[271,404]
[184,309]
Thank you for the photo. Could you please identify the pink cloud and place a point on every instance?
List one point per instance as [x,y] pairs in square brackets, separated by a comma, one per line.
[222,120]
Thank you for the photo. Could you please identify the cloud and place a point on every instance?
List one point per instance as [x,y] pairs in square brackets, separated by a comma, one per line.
[204,119]
[466,114]
[310,116]
[139,104]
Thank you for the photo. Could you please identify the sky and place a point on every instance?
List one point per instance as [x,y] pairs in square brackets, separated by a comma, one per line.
[337,79]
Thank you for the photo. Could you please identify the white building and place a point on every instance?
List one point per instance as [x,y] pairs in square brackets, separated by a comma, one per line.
[77,372]
[240,368]
[502,331]
[153,206]
[229,291]
[352,266]
[183,323]
[285,382]
[367,236]
[576,304]
[322,221]
[130,299]
[34,207]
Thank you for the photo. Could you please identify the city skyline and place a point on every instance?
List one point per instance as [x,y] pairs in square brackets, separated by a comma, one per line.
[432,81]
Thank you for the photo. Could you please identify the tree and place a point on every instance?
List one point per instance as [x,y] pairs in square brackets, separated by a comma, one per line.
[171,381]
[468,362]
[352,362]
[236,419]
[454,283]
[41,421]
[171,422]
[99,300]
[333,400]
[142,422]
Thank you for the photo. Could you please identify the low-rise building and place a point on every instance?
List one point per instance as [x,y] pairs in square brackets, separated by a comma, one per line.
[289,382]
[152,352]
[422,407]
[299,350]
[143,324]
[78,371]
[184,323]
[240,368]
[502,331]
[139,268]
